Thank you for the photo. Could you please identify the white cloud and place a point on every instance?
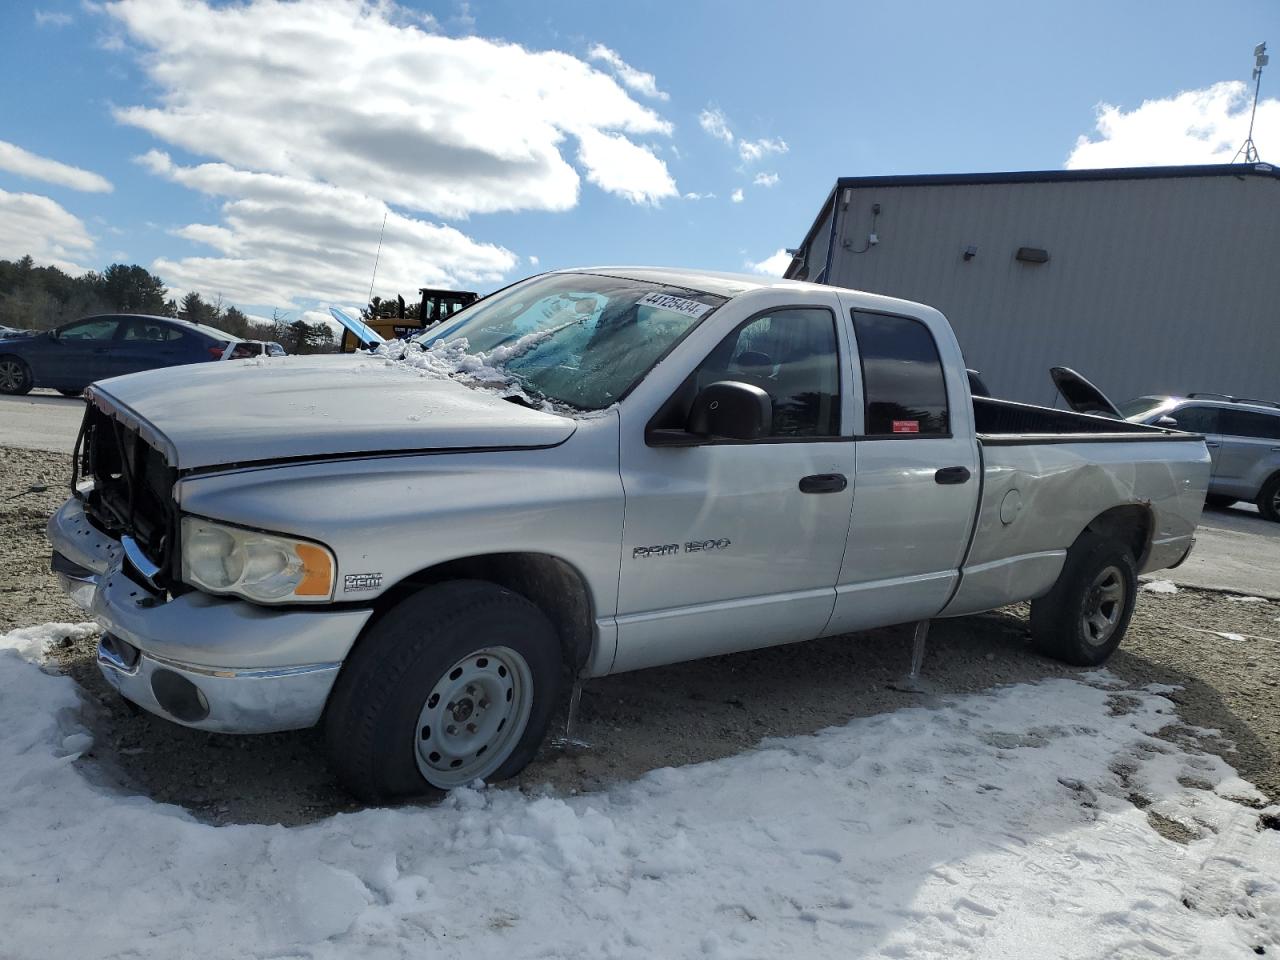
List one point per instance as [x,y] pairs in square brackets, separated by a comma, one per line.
[533,261]
[283,239]
[714,122]
[27,164]
[1194,126]
[36,225]
[52,18]
[353,95]
[752,150]
[773,266]
[616,165]
[765,179]
[699,196]
[645,84]
[736,196]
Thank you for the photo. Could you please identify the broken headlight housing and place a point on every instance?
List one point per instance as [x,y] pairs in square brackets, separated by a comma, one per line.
[262,567]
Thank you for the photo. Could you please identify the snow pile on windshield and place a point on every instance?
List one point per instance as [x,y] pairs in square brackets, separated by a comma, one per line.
[1016,823]
[452,359]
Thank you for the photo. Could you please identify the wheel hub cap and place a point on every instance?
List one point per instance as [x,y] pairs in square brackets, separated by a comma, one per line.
[473,717]
[1103,605]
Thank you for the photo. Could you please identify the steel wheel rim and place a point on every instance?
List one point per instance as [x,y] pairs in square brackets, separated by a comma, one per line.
[1275,500]
[473,717]
[1103,605]
[10,375]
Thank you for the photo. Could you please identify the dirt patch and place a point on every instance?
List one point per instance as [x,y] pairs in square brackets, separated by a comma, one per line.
[671,715]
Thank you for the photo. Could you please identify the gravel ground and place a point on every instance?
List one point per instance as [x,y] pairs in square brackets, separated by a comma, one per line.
[668,716]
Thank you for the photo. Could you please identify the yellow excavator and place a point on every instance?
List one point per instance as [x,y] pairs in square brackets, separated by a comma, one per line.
[435,306]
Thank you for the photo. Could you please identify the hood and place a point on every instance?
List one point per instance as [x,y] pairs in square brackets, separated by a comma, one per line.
[1081,395]
[315,407]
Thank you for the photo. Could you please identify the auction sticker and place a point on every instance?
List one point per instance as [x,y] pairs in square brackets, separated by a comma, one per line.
[690,308]
[906,426]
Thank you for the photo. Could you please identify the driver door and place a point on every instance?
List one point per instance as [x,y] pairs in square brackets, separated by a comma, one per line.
[732,545]
[82,353]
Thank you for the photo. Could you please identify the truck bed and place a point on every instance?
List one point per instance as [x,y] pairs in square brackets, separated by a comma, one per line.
[1047,474]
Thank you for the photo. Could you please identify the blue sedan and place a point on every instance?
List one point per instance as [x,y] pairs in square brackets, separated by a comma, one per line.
[76,354]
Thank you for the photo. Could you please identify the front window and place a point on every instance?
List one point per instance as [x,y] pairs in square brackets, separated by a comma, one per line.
[576,339]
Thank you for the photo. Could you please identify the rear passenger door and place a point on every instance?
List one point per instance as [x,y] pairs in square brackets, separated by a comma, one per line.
[1250,450]
[147,344]
[916,490]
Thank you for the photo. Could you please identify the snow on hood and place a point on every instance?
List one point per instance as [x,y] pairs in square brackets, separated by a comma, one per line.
[270,408]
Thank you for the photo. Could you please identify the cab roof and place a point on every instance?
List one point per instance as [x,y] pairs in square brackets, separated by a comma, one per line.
[705,281]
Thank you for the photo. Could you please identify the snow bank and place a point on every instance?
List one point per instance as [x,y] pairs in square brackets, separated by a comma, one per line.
[1000,825]
[1160,586]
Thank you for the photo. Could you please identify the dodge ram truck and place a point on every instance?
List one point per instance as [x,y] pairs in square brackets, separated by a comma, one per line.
[587,472]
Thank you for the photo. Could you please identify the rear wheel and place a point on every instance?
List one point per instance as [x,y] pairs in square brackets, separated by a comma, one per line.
[454,684]
[15,376]
[1269,499]
[1220,501]
[1084,617]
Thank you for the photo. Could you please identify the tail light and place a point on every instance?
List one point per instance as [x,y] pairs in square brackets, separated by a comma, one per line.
[216,350]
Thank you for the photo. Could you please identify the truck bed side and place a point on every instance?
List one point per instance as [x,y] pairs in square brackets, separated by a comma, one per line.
[1040,490]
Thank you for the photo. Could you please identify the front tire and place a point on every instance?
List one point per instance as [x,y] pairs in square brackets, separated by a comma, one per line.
[1269,499]
[15,376]
[454,684]
[70,393]
[1084,617]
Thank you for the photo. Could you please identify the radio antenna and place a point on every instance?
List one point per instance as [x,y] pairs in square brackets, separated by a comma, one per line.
[374,278]
[1260,60]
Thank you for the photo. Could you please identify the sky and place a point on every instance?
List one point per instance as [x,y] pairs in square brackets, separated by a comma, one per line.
[253,149]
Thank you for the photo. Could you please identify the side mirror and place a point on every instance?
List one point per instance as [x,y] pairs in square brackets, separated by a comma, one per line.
[733,410]
[1167,421]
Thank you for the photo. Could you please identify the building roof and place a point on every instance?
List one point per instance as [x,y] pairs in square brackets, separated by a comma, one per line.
[1059,176]
[1238,170]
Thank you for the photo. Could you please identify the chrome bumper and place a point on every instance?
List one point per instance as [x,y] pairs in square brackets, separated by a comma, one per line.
[205,662]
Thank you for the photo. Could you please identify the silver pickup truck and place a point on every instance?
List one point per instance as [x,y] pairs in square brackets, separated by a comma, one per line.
[587,472]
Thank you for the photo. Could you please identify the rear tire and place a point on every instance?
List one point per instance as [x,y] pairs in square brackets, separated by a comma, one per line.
[455,683]
[1083,618]
[1220,501]
[15,376]
[70,393]
[1269,499]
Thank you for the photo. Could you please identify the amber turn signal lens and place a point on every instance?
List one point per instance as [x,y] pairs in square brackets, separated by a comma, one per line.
[317,571]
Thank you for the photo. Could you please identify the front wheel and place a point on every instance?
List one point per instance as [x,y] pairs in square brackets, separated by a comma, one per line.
[454,684]
[15,376]
[1084,617]
[1269,499]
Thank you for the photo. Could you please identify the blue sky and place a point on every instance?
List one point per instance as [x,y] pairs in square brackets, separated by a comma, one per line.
[252,148]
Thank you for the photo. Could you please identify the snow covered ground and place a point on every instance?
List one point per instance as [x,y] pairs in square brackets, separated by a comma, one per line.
[1003,825]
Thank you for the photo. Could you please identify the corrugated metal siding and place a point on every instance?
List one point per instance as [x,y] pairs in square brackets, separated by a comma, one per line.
[1153,286]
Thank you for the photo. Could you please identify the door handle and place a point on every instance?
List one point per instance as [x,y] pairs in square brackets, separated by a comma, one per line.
[948,475]
[823,483]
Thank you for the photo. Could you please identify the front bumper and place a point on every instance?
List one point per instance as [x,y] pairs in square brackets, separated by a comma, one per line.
[202,661]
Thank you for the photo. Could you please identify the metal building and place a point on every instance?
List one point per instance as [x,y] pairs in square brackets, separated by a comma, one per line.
[1146,280]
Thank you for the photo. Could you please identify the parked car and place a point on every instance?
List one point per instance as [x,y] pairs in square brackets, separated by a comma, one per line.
[1243,437]
[267,548]
[74,355]
[11,333]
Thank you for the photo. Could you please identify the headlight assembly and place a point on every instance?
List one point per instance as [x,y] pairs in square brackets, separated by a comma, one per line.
[264,567]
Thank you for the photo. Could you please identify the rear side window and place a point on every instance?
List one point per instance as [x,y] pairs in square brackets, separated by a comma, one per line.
[905,390]
[146,330]
[1242,423]
[1197,419]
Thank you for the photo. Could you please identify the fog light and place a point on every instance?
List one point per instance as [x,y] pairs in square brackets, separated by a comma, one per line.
[179,697]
